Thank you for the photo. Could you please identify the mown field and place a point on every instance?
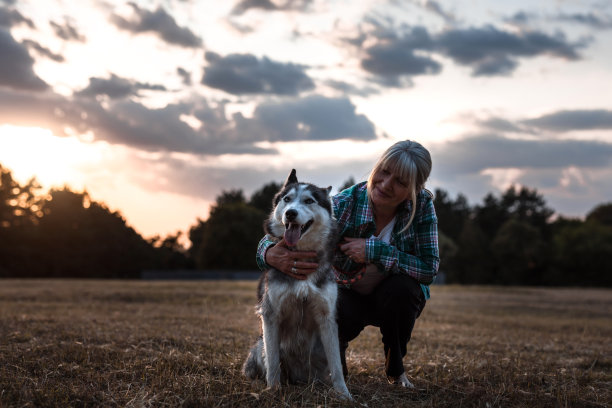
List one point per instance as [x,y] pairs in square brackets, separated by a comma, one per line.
[130,343]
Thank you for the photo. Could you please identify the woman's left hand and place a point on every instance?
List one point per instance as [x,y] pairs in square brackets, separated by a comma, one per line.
[354,248]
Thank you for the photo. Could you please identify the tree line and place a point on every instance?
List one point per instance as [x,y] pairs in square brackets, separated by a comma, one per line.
[511,239]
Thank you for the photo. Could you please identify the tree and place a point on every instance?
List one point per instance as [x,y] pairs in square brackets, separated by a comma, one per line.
[20,210]
[262,198]
[601,214]
[473,262]
[528,206]
[78,237]
[519,253]
[451,213]
[348,183]
[229,197]
[230,237]
[170,253]
[583,255]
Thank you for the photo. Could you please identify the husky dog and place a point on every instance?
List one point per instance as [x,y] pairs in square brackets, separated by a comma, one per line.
[298,318]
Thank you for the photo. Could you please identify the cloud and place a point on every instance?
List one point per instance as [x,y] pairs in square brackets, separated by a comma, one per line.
[67,32]
[185,75]
[393,54]
[270,5]
[436,8]
[501,125]
[116,87]
[245,74]
[568,120]
[16,68]
[45,52]
[158,22]
[311,118]
[11,17]
[490,51]
[350,89]
[126,122]
[475,154]
[593,20]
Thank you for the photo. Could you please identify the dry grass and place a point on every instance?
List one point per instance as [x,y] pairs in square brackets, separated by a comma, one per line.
[117,343]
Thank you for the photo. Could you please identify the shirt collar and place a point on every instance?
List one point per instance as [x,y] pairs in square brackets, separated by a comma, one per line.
[367,215]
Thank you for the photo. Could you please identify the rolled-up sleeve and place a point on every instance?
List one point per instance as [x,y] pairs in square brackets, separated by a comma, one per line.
[265,243]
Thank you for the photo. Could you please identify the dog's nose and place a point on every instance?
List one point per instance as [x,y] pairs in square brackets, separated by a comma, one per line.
[291,214]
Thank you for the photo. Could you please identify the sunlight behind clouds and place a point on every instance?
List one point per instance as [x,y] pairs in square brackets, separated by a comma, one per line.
[54,161]
[170,102]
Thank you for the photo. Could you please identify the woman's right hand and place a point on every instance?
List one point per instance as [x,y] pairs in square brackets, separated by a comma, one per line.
[296,264]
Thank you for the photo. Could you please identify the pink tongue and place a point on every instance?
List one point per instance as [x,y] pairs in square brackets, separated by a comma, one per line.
[292,234]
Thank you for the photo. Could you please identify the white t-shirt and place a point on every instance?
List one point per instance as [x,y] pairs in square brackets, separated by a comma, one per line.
[372,276]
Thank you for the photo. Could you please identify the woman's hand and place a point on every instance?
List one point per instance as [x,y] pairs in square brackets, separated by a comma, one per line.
[296,264]
[354,248]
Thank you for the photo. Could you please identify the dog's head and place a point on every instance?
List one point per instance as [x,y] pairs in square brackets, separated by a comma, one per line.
[302,212]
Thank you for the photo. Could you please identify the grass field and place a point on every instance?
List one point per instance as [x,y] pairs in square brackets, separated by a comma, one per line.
[131,343]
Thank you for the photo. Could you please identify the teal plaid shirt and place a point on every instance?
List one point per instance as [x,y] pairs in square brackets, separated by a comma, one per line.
[413,252]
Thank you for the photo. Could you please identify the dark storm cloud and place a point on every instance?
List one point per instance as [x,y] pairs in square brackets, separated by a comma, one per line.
[311,118]
[568,120]
[158,22]
[246,74]
[10,17]
[392,54]
[16,68]
[67,31]
[268,5]
[477,153]
[116,87]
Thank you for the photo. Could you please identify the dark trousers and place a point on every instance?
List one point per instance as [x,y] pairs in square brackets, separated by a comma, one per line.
[393,306]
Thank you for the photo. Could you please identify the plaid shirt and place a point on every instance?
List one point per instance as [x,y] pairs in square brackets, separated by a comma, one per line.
[413,252]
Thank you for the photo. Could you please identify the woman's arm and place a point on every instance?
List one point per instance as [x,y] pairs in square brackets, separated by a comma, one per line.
[278,256]
[423,263]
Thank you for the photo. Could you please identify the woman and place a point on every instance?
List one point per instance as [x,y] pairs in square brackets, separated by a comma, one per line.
[387,257]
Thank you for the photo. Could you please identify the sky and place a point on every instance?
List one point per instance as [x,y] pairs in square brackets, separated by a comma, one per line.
[156,107]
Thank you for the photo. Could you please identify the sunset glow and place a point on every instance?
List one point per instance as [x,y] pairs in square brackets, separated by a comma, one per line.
[153,104]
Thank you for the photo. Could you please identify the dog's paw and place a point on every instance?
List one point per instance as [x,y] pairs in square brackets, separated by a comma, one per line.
[342,393]
[272,387]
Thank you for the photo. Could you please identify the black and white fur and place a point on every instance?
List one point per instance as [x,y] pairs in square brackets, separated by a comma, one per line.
[299,343]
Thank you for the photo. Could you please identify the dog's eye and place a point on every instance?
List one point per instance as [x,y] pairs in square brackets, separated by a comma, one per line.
[287,199]
[309,201]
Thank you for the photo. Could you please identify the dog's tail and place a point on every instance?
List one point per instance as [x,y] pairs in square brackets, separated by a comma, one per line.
[254,367]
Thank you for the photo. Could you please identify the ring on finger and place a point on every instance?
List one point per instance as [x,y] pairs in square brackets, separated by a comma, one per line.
[293,270]
[294,263]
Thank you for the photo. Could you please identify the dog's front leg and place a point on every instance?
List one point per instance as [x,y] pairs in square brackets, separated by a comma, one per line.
[271,351]
[329,337]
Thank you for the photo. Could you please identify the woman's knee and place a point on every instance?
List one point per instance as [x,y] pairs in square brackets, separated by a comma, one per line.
[400,292]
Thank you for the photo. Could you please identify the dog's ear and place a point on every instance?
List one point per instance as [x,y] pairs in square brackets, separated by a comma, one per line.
[329,189]
[292,178]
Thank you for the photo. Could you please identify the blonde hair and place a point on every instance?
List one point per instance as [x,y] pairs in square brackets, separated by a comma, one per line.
[410,162]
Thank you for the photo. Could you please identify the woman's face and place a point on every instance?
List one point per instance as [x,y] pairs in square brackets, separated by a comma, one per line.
[388,190]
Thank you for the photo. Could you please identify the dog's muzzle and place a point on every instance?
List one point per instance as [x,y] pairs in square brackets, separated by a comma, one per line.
[294,231]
